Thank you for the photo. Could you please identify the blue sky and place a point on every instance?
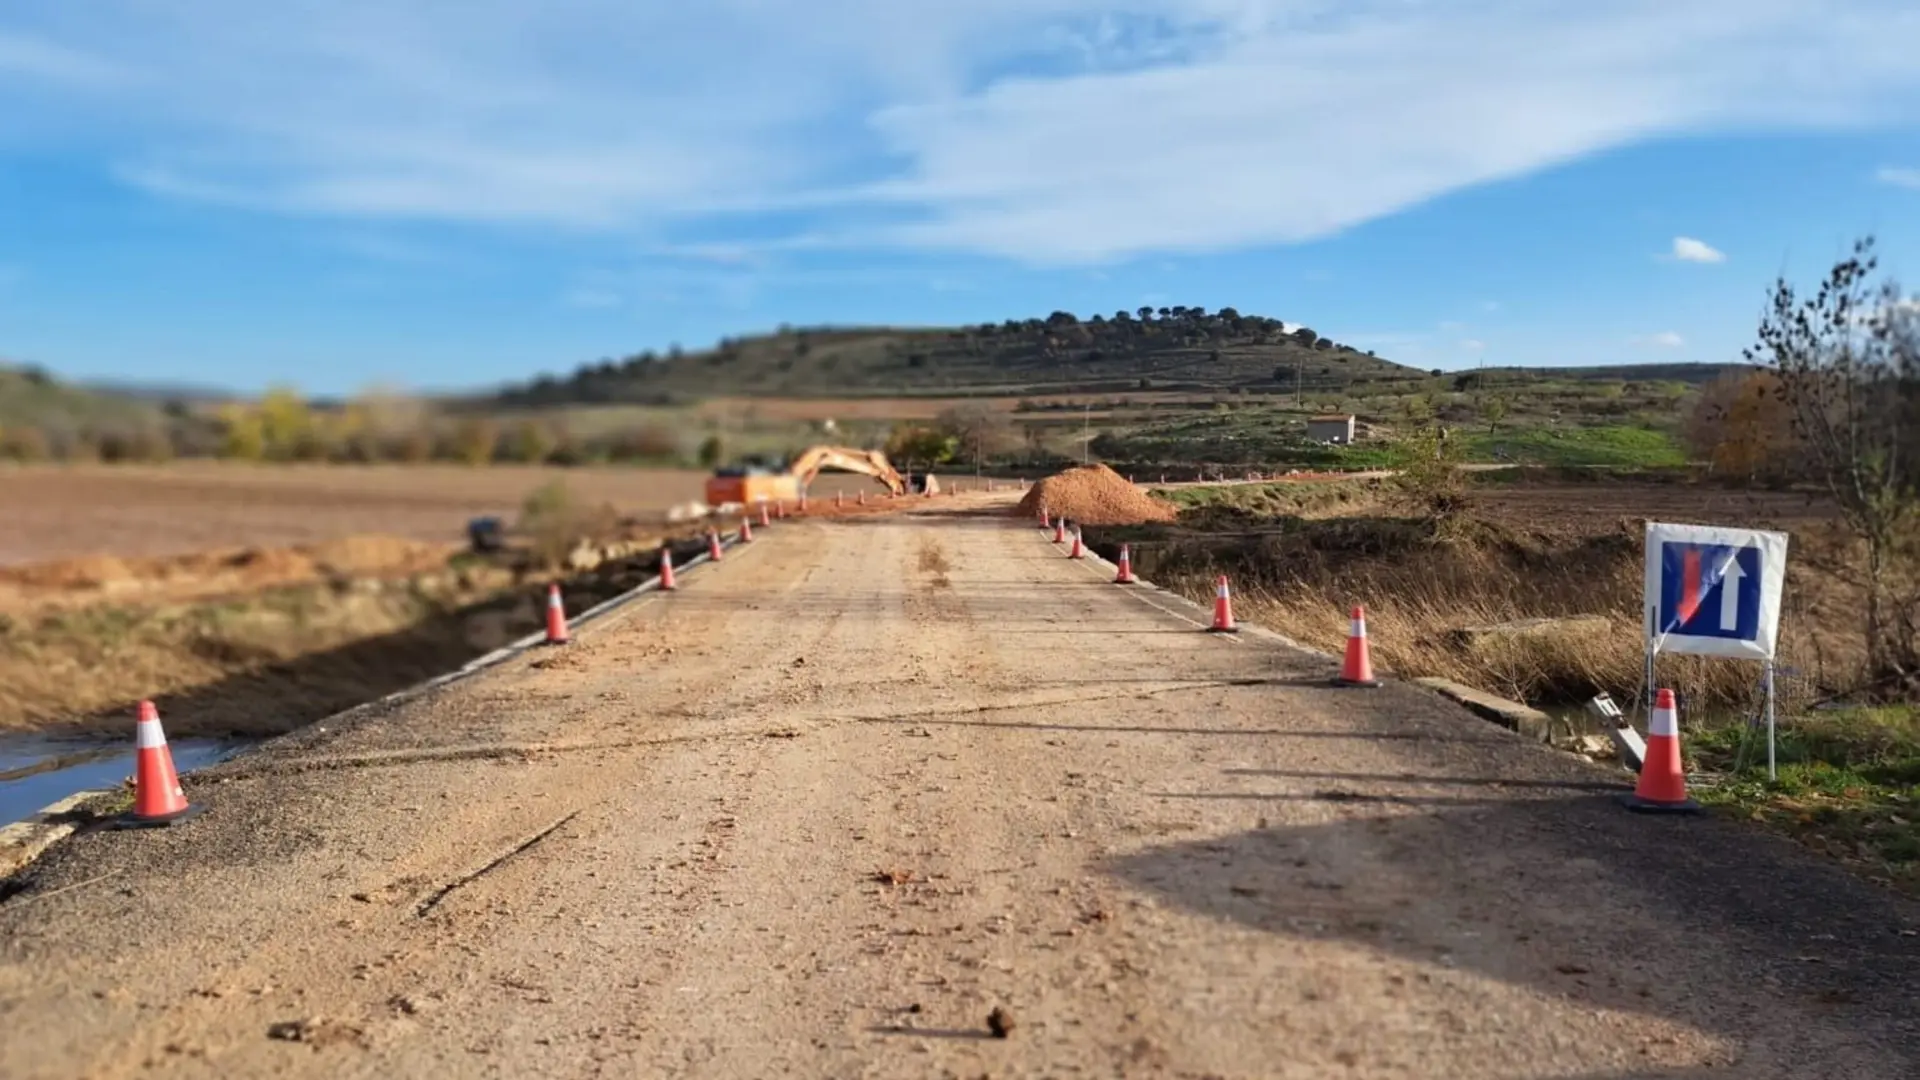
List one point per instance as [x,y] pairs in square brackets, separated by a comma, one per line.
[336,193]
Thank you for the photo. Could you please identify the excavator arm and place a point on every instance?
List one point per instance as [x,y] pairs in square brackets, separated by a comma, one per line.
[868,462]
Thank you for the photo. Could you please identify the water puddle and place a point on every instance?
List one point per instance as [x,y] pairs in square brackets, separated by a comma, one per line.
[36,771]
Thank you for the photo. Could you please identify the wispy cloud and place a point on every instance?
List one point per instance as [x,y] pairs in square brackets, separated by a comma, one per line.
[1665,339]
[593,298]
[1687,249]
[1050,131]
[1473,345]
[27,58]
[1906,178]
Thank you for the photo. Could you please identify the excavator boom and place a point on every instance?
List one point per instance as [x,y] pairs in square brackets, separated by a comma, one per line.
[747,487]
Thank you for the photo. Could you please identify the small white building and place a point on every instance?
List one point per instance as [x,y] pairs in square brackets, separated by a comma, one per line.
[1331,429]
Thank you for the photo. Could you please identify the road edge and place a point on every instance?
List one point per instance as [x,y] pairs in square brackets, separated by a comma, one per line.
[24,841]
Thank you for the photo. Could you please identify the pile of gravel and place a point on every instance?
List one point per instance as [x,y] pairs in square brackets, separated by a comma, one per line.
[1093,495]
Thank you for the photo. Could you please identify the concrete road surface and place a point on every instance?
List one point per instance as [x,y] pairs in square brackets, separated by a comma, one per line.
[822,811]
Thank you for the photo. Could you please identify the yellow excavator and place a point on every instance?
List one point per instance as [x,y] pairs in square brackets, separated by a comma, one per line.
[748,483]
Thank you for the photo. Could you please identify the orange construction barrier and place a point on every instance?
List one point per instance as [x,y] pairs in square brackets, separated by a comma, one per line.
[666,569]
[556,617]
[714,551]
[1357,668]
[1125,576]
[1078,551]
[1223,609]
[1663,778]
[158,798]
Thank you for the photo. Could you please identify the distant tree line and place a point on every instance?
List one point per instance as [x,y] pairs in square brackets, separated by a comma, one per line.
[284,427]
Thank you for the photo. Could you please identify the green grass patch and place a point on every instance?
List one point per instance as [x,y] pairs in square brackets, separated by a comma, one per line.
[1848,785]
[1614,447]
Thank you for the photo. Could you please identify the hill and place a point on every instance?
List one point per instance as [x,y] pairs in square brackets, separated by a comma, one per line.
[1695,374]
[1175,348]
[29,395]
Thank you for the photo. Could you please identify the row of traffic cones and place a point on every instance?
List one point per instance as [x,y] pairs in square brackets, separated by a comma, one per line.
[1662,784]
[716,552]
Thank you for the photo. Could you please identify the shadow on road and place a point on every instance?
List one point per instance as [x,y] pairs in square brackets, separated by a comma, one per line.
[1691,920]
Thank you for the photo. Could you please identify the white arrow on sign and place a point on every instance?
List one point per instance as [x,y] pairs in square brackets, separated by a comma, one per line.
[1730,577]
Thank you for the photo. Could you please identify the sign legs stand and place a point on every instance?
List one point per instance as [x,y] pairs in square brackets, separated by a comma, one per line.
[1772,773]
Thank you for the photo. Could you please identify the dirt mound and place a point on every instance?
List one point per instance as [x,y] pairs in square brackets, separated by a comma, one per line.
[1093,495]
[365,554]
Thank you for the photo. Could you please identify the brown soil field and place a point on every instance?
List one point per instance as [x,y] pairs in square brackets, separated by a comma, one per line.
[55,512]
[1586,508]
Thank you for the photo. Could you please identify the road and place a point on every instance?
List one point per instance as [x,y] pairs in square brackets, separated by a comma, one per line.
[821,811]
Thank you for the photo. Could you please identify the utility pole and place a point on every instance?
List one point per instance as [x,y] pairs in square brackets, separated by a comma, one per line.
[1299,366]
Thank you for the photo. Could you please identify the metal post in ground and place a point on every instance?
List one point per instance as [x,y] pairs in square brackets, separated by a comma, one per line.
[1772,772]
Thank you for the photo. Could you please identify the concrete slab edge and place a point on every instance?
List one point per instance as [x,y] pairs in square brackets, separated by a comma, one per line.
[26,840]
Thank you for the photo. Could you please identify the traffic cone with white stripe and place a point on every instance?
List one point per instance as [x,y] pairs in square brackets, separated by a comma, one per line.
[666,569]
[838,500]
[158,798]
[860,498]
[556,617]
[714,551]
[1078,551]
[1125,576]
[766,518]
[1045,521]
[1663,779]
[1223,609]
[1060,530]
[746,530]
[780,509]
[803,502]
[1357,669]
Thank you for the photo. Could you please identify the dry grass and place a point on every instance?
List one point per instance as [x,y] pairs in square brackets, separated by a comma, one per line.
[1424,599]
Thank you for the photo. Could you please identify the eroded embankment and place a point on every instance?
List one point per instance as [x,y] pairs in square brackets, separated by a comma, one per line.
[266,662]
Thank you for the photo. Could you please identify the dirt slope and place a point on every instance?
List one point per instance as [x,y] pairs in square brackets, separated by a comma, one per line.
[824,809]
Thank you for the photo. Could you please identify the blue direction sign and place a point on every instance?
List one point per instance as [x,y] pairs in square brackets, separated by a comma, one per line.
[1714,591]
[1710,590]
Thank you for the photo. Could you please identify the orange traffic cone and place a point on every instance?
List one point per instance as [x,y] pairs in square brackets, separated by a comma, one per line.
[1125,576]
[780,509]
[861,498]
[1078,551]
[666,569]
[1060,531]
[714,551]
[803,502]
[838,500]
[1222,609]
[556,617]
[1357,670]
[1663,780]
[158,798]
[766,519]
[746,530]
[1045,521]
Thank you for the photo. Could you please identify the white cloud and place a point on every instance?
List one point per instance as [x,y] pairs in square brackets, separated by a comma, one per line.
[1687,249]
[1046,130]
[1666,339]
[1906,178]
[593,298]
[1473,345]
